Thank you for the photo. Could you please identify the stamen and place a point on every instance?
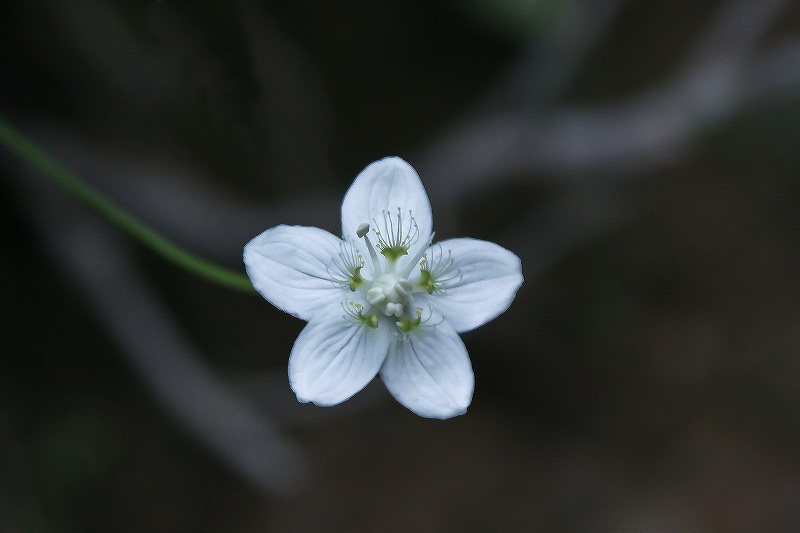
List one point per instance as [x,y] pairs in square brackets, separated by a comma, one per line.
[351,310]
[356,312]
[436,274]
[395,239]
[362,231]
[409,324]
[345,269]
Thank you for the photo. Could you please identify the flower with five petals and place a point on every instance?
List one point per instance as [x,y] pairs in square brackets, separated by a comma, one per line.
[382,299]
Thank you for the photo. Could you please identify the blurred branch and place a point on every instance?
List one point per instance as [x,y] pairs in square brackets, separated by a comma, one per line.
[736,30]
[612,141]
[778,73]
[544,236]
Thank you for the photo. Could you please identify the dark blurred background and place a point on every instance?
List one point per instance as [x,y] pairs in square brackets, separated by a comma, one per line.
[641,157]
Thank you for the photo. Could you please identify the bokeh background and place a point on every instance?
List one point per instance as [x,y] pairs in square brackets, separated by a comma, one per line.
[641,157]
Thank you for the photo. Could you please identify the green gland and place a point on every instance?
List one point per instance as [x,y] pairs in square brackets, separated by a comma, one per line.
[394,253]
[357,312]
[426,281]
[410,324]
[371,321]
[355,280]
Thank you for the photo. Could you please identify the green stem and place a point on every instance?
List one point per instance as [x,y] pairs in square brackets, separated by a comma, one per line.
[37,158]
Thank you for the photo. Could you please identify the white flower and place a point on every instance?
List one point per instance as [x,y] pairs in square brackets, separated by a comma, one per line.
[382,299]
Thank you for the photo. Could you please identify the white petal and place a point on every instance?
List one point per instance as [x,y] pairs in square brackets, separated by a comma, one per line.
[289,265]
[335,357]
[386,185]
[430,373]
[488,279]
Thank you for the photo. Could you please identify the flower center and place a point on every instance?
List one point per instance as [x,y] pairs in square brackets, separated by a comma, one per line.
[391,294]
